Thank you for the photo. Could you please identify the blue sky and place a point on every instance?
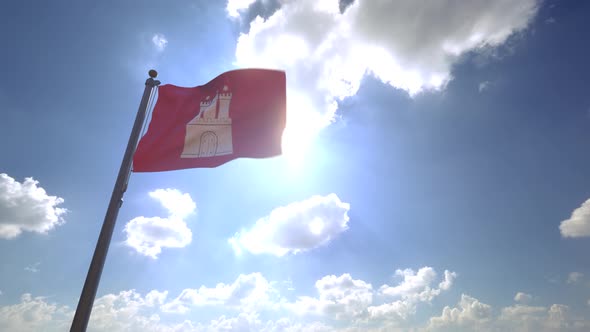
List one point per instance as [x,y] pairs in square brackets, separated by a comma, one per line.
[434,175]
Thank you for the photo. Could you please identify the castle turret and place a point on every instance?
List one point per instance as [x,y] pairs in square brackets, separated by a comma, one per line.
[208,108]
[224,99]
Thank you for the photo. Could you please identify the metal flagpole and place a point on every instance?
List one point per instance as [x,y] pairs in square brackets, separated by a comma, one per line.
[86,301]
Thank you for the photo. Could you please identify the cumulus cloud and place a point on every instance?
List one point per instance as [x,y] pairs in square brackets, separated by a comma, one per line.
[247,292]
[26,207]
[159,41]
[418,284]
[129,311]
[125,316]
[234,7]
[354,300]
[148,235]
[469,313]
[33,314]
[529,318]
[472,315]
[339,297]
[523,298]
[155,298]
[411,283]
[250,303]
[484,86]
[295,228]
[410,45]
[522,312]
[574,277]
[126,311]
[578,225]
[33,268]
[252,322]
[414,288]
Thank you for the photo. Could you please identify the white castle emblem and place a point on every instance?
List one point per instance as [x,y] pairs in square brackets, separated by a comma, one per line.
[209,133]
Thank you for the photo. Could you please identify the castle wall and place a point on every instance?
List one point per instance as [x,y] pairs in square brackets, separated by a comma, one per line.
[209,109]
[194,132]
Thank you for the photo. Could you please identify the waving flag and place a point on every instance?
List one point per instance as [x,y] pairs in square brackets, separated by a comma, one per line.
[239,114]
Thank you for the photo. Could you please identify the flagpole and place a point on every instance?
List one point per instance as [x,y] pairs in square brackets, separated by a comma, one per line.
[86,301]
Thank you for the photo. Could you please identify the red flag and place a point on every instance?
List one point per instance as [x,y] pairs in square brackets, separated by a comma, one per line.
[240,113]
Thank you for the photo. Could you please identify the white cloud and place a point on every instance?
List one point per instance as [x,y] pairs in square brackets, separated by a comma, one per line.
[179,205]
[473,315]
[288,325]
[578,224]
[484,86]
[295,228]
[412,282]
[529,318]
[410,45]
[574,277]
[34,268]
[25,207]
[523,298]
[155,298]
[250,303]
[234,7]
[339,297]
[148,235]
[522,312]
[33,314]
[345,298]
[159,41]
[248,291]
[415,287]
[242,322]
[418,284]
[469,314]
[126,311]
[448,280]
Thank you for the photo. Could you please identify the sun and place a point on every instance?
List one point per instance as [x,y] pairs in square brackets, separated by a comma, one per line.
[304,123]
[316,226]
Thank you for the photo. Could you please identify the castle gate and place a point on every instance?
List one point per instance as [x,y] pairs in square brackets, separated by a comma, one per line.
[208,146]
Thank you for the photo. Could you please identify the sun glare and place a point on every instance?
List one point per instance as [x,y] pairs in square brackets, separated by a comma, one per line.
[316,226]
[303,126]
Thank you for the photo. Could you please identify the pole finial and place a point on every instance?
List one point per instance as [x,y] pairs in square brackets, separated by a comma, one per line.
[153,73]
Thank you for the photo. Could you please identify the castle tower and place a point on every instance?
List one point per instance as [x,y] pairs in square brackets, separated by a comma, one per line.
[209,108]
[224,99]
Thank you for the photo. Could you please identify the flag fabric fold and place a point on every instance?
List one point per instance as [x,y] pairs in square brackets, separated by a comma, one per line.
[238,114]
